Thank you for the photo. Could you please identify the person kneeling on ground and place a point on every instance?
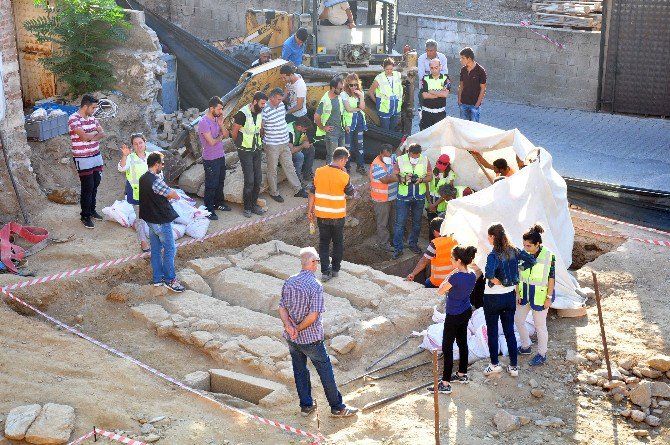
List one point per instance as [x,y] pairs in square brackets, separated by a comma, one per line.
[300,309]
[302,149]
[458,310]
[438,254]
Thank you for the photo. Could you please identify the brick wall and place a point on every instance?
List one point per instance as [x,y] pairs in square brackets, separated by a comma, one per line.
[521,67]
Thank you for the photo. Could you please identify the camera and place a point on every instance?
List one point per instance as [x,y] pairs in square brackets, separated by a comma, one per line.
[414,179]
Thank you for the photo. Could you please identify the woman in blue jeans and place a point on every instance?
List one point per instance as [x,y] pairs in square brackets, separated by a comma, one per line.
[502,275]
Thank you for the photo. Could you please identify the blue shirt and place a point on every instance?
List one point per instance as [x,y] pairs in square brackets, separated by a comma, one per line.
[378,173]
[507,269]
[291,51]
[458,298]
[300,295]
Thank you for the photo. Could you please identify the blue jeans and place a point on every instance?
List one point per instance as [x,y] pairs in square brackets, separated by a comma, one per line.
[402,210]
[469,112]
[215,176]
[429,284]
[162,238]
[308,164]
[317,354]
[389,122]
[353,141]
[500,306]
[298,162]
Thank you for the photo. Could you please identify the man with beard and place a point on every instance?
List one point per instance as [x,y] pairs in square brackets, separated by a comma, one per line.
[212,131]
[246,134]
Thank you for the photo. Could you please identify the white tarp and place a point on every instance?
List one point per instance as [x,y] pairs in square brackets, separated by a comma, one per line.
[535,194]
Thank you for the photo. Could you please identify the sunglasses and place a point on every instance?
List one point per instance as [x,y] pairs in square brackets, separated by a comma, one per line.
[353,85]
[316,261]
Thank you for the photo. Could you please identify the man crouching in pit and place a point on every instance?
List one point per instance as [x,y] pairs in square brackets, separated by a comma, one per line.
[300,309]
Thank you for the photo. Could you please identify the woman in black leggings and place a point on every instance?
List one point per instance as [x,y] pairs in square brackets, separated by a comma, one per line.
[459,285]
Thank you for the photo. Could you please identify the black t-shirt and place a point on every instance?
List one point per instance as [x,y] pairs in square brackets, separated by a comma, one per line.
[439,102]
[240,119]
[472,83]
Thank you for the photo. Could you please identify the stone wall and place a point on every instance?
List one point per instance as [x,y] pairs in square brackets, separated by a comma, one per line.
[520,65]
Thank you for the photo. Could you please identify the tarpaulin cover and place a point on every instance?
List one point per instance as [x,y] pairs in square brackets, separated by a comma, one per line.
[535,194]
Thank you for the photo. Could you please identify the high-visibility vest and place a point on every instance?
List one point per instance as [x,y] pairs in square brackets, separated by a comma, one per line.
[329,200]
[136,168]
[406,168]
[385,91]
[251,131]
[326,111]
[534,282]
[435,84]
[440,264]
[434,187]
[348,117]
[379,191]
[293,132]
[459,190]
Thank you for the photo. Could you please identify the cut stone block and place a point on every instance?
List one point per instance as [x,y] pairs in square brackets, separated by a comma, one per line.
[411,311]
[19,420]
[200,338]
[251,290]
[53,426]
[343,344]
[391,283]
[191,280]
[191,180]
[197,380]
[357,270]
[207,267]
[361,293]
[266,347]
[242,386]
[151,313]
[340,315]
[279,266]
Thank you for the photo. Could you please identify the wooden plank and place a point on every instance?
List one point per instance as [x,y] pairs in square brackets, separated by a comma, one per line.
[566,19]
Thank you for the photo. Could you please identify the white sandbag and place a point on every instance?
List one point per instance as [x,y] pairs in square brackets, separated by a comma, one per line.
[121,212]
[178,230]
[438,317]
[187,213]
[184,197]
[197,228]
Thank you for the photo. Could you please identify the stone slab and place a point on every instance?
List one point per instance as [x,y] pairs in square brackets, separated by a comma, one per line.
[149,312]
[361,293]
[193,281]
[53,426]
[279,266]
[207,267]
[266,347]
[255,291]
[19,420]
[242,386]
[198,380]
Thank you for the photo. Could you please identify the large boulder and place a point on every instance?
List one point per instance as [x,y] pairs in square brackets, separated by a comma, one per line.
[191,180]
[361,293]
[207,267]
[53,426]
[19,420]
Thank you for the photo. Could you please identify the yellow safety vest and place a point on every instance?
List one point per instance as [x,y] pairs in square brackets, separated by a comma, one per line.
[535,281]
[326,111]
[136,168]
[293,132]
[435,84]
[349,117]
[434,187]
[251,131]
[406,168]
[385,91]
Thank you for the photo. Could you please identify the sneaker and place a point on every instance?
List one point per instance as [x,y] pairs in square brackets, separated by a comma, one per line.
[302,193]
[213,216]
[174,286]
[441,388]
[385,247]
[258,210]
[344,412]
[416,249]
[513,370]
[463,379]
[277,198]
[326,276]
[524,351]
[158,284]
[95,215]
[396,254]
[362,170]
[493,369]
[86,221]
[335,273]
[538,360]
[223,208]
[305,411]
[247,213]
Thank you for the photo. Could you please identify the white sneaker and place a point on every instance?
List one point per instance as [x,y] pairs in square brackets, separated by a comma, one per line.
[493,369]
[513,370]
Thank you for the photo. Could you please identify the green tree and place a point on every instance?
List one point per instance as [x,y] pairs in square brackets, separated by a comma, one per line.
[83,32]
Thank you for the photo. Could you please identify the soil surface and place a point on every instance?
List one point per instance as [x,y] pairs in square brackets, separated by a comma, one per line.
[501,11]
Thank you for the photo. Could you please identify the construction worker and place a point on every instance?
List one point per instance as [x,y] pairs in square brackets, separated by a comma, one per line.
[134,165]
[328,206]
[355,125]
[383,192]
[536,292]
[293,48]
[302,149]
[264,56]
[386,92]
[246,134]
[414,173]
[328,118]
[434,91]
[436,203]
[438,254]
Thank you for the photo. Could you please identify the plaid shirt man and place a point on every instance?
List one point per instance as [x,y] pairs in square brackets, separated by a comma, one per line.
[302,293]
[160,187]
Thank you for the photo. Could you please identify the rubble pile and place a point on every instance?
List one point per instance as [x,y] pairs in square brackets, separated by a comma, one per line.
[169,125]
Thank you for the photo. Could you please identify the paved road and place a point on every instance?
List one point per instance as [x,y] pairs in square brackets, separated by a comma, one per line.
[626,150]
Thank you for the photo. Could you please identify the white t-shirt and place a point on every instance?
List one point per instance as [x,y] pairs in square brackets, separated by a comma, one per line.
[295,90]
[337,14]
[423,65]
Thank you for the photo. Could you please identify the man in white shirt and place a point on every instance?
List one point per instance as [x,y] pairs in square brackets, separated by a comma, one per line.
[423,64]
[295,92]
[336,13]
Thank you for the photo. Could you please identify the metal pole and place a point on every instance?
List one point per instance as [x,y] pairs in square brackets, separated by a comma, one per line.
[394,397]
[362,376]
[602,326]
[399,371]
[395,348]
[436,399]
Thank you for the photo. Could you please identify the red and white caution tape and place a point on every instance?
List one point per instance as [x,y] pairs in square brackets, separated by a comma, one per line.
[558,44]
[316,437]
[616,221]
[109,435]
[618,235]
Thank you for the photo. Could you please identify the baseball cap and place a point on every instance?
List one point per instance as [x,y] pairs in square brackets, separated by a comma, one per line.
[442,162]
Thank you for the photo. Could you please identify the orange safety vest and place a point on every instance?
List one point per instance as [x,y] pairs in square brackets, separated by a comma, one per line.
[378,190]
[440,264]
[329,184]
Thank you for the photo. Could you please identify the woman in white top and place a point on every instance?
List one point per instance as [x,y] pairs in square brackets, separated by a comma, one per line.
[354,120]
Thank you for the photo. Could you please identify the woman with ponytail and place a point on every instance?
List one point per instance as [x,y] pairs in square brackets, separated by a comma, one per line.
[500,295]
[458,286]
[536,292]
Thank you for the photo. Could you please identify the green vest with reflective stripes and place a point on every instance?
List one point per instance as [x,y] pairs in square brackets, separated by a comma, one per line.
[434,187]
[406,168]
[293,132]
[436,84]
[384,92]
[136,168]
[326,110]
[251,131]
[534,282]
[348,117]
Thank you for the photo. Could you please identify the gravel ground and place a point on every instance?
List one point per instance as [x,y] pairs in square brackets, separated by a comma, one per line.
[488,10]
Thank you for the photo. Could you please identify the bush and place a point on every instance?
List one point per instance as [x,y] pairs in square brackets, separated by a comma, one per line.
[83,32]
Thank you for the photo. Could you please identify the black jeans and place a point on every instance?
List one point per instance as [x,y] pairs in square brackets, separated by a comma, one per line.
[251,169]
[331,230]
[503,307]
[429,119]
[215,175]
[89,190]
[455,328]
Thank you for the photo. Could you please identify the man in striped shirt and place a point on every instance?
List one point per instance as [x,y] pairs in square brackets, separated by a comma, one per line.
[276,139]
[300,309]
[86,133]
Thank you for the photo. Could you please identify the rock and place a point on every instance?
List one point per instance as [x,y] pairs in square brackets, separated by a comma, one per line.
[592,356]
[200,338]
[649,372]
[64,196]
[54,425]
[664,403]
[550,422]
[641,394]
[637,415]
[626,413]
[161,418]
[537,392]
[191,280]
[343,344]
[191,180]
[574,357]
[506,422]
[627,363]
[660,389]
[149,312]
[278,397]
[207,267]
[151,438]
[19,420]
[618,397]
[265,346]
[205,325]
[255,291]
[611,384]
[652,421]
[659,362]
[616,375]
[640,433]
[524,420]
[147,428]
[533,383]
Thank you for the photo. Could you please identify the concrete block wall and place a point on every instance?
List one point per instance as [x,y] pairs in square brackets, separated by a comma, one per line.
[521,66]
